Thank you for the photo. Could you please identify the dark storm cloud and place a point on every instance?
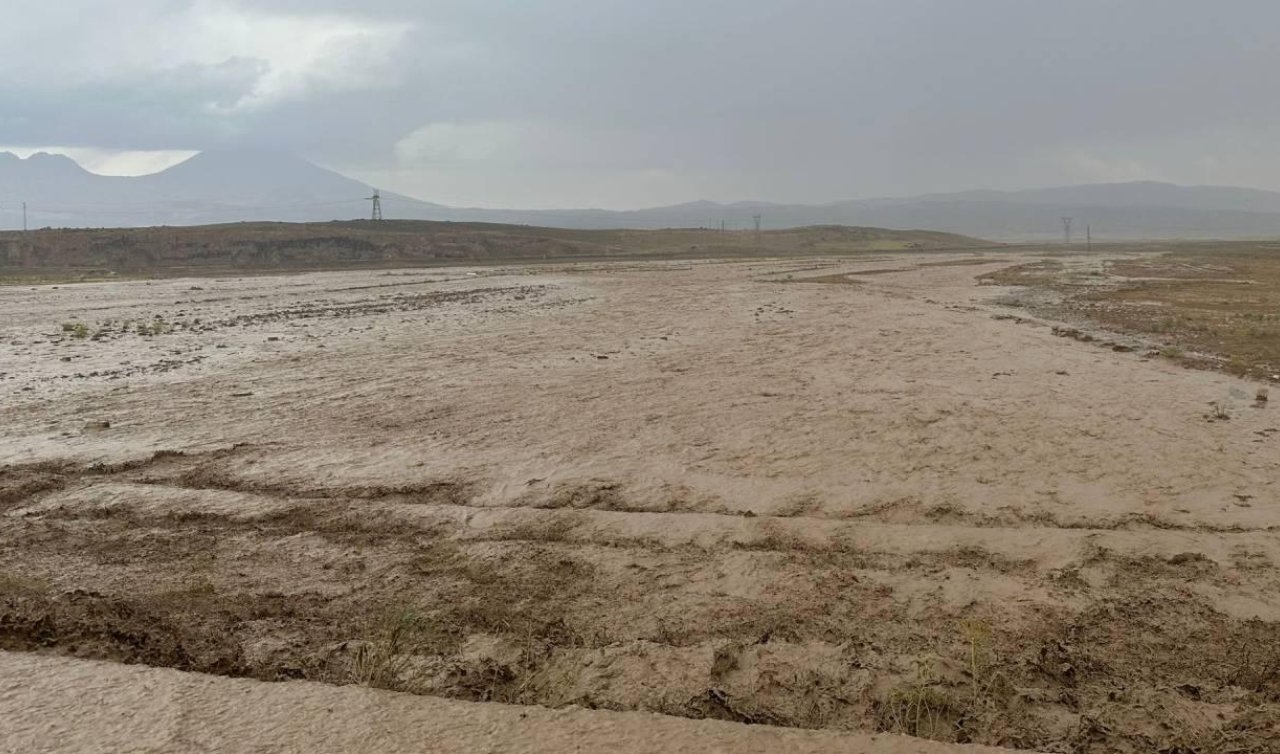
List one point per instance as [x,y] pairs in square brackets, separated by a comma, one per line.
[623,103]
[168,106]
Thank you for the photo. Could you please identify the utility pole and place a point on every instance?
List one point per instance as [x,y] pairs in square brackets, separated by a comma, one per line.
[24,217]
[377,205]
[757,220]
[1088,235]
[1066,229]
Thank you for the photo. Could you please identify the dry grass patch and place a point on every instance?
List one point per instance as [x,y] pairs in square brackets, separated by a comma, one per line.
[1206,305]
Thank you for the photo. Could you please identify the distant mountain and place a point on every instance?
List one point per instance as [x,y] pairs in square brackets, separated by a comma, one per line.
[1137,194]
[211,187]
[251,178]
[1112,211]
[247,185]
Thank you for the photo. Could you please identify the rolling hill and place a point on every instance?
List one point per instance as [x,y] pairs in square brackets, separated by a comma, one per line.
[390,243]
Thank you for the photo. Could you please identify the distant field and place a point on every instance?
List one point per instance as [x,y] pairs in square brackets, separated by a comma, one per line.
[1207,305]
[61,255]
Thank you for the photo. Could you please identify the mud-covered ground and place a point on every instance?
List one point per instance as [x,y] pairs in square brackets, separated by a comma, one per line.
[773,492]
[1204,305]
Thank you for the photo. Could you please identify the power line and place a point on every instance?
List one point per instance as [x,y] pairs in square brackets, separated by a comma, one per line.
[1066,229]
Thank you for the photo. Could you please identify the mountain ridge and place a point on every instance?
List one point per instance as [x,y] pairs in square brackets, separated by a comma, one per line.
[217,186]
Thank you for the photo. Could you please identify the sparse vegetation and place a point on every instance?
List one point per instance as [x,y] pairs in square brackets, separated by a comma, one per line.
[77,330]
[920,709]
[967,706]
[74,255]
[157,326]
[1217,303]
[384,658]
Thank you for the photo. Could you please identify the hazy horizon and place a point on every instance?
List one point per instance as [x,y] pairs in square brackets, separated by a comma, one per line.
[158,165]
[491,103]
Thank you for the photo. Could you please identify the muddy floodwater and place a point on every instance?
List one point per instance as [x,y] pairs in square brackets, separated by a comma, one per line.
[842,495]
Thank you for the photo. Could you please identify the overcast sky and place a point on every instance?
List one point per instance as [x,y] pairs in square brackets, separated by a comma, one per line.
[613,103]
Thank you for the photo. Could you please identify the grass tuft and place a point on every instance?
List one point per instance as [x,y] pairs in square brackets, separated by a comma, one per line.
[383,660]
[77,330]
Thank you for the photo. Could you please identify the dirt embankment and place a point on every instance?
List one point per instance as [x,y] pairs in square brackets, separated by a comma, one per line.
[341,245]
[56,706]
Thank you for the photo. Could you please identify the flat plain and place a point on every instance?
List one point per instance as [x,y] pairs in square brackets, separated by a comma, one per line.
[859,494]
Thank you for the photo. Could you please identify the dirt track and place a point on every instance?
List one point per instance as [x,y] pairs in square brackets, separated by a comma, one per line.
[870,502]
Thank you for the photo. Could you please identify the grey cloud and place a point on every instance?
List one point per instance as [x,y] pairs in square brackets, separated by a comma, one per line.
[804,100]
[170,106]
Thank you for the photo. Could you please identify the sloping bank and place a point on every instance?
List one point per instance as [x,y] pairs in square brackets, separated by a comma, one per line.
[50,704]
